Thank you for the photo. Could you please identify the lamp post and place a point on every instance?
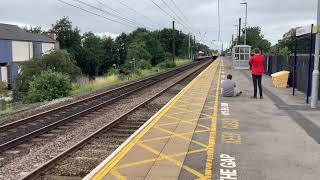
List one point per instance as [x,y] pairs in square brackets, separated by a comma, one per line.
[245,24]
[237,26]
[315,74]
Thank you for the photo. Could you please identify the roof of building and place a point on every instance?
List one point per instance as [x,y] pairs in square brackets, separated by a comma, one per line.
[14,32]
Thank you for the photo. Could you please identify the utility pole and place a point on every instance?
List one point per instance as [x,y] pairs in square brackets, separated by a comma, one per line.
[245,24]
[194,45]
[232,40]
[173,42]
[315,74]
[134,64]
[189,45]
[222,47]
[219,23]
[194,41]
[239,31]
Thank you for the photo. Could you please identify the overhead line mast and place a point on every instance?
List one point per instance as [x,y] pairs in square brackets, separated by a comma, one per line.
[219,27]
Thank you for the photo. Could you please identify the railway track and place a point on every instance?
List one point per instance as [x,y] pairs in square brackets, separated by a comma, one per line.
[18,132]
[79,160]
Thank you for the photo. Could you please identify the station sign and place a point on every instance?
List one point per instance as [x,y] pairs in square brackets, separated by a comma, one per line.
[306,30]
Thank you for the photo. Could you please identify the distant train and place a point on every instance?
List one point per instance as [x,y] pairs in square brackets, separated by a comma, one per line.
[201,56]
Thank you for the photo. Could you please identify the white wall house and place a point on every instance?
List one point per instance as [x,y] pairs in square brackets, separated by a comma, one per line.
[17,46]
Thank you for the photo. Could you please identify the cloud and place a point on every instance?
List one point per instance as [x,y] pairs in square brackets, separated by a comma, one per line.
[274,16]
[107,34]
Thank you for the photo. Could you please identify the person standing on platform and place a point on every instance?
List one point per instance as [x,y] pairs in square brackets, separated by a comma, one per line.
[257,69]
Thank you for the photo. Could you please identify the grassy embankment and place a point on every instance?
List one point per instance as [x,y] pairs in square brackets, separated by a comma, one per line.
[115,79]
[7,111]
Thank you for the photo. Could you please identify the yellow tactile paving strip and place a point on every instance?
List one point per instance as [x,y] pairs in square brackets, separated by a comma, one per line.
[158,151]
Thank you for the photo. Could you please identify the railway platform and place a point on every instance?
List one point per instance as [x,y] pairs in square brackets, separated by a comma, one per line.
[201,135]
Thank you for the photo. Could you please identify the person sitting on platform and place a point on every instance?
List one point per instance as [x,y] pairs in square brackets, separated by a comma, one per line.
[229,88]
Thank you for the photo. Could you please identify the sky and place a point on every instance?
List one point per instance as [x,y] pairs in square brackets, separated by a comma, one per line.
[275,17]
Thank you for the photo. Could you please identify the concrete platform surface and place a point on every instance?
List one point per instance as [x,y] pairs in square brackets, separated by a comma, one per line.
[274,138]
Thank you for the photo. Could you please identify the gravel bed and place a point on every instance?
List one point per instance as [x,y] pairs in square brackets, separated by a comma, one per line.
[42,152]
[86,159]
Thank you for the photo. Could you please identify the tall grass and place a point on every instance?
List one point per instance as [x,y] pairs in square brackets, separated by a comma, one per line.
[117,79]
[98,83]
[181,62]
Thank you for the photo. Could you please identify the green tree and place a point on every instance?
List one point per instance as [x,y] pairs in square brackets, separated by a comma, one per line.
[181,42]
[165,36]
[111,55]
[256,39]
[155,49]
[49,86]
[122,43]
[57,61]
[288,40]
[284,51]
[138,55]
[201,47]
[93,54]
[151,43]
[34,29]
[68,36]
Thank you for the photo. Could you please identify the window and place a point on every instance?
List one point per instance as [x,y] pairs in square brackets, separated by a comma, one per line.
[246,57]
[242,57]
[236,56]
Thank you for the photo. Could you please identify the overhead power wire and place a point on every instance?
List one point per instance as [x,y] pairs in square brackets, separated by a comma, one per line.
[93,13]
[187,21]
[119,13]
[139,13]
[183,15]
[180,19]
[168,13]
[108,13]
[183,23]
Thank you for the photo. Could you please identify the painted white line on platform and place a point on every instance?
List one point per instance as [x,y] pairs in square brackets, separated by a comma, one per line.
[227,167]
[225,109]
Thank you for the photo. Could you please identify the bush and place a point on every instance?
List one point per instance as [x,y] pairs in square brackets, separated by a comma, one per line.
[3,89]
[57,61]
[143,64]
[284,51]
[112,72]
[167,64]
[49,86]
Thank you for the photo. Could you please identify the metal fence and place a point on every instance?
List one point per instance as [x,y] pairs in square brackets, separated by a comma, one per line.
[278,63]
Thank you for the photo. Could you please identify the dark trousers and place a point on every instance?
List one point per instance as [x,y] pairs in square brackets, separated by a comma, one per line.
[257,82]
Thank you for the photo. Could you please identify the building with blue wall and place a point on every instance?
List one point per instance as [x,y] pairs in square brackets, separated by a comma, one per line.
[18,46]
